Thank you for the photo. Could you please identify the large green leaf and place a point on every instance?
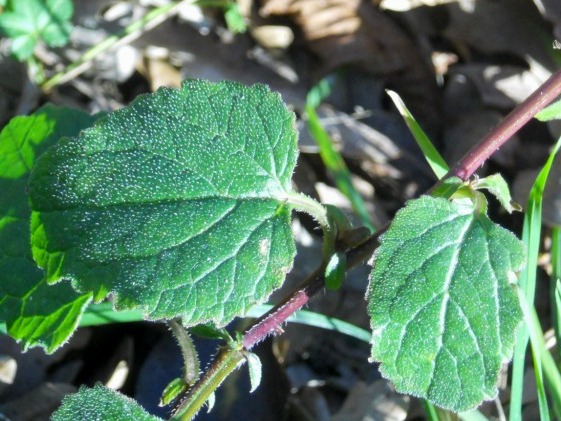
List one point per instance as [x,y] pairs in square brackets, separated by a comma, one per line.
[441,301]
[177,204]
[100,403]
[28,21]
[35,313]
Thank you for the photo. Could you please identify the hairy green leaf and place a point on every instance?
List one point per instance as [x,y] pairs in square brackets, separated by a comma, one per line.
[28,21]
[35,313]
[255,370]
[177,203]
[174,388]
[442,306]
[100,403]
[498,187]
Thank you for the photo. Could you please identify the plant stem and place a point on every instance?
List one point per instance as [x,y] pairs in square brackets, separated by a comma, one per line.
[310,206]
[127,35]
[227,360]
[272,320]
[501,133]
[267,324]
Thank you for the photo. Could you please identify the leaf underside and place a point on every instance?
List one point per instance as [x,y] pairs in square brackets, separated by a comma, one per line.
[176,204]
[35,312]
[443,311]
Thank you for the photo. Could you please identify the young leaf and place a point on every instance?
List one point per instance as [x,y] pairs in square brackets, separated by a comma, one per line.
[100,403]
[35,313]
[255,370]
[176,387]
[335,271]
[177,203]
[25,22]
[442,307]
[498,187]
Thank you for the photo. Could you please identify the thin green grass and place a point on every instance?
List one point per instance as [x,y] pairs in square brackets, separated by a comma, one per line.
[331,158]
[101,314]
[555,283]
[434,159]
[531,236]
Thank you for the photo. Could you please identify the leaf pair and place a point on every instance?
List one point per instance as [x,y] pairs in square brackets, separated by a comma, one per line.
[180,205]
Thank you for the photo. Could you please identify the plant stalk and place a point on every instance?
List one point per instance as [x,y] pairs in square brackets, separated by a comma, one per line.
[503,131]
[227,360]
[272,320]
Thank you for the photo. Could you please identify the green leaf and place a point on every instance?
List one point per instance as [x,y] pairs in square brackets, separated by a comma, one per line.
[497,186]
[100,403]
[177,203]
[35,313]
[335,270]
[234,19]
[448,187]
[443,309]
[28,21]
[255,370]
[175,388]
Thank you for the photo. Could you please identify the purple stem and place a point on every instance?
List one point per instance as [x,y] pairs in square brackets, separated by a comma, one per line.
[270,322]
[503,131]
[466,166]
[464,169]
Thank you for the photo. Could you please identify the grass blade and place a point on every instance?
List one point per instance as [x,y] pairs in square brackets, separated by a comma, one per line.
[103,313]
[536,338]
[555,283]
[331,158]
[531,235]
[100,314]
[433,157]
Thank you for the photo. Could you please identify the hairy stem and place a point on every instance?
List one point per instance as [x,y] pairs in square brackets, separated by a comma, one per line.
[272,320]
[227,360]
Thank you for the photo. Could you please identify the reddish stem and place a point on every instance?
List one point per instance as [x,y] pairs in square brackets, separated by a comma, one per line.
[464,169]
[501,133]
[272,320]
